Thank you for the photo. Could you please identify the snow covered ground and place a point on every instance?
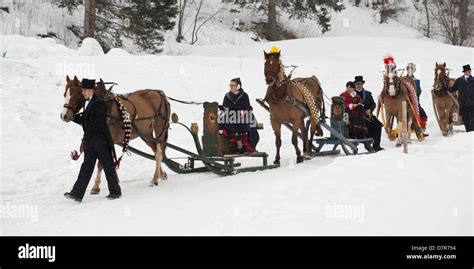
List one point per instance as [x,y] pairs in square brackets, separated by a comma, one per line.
[426,192]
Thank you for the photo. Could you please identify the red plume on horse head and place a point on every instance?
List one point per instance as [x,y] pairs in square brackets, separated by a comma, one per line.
[388,59]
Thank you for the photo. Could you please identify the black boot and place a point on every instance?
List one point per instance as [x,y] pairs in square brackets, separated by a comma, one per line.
[113,196]
[72,196]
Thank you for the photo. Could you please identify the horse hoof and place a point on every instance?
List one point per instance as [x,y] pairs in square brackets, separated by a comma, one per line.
[299,159]
[164,176]
[95,191]
[276,162]
[398,145]
[153,183]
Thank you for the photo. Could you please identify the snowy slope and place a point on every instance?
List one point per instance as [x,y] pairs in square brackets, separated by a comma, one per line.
[29,18]
[427,192]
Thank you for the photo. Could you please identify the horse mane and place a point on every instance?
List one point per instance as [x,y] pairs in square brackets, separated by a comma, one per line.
[281,75]
[104,93]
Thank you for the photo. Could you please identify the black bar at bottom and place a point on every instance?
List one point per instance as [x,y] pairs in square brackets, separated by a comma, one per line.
[454,251]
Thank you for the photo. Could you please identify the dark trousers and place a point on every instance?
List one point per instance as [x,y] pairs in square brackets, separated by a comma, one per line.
[468,118]
[374,129]
[254,137]
[96,149]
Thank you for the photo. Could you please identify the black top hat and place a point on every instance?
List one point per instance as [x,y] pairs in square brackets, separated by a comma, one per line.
[88,83]
[466,68]
[359,79]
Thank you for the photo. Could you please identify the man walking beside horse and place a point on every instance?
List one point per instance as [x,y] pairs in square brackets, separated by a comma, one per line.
[97,144]
[465,85]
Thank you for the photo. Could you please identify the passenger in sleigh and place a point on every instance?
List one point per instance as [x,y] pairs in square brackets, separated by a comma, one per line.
[411,69]
[236,118]
[355,111]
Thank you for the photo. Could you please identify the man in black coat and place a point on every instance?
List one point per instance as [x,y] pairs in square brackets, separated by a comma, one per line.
[237,101]
[374,126]
[465,85]
[97,143]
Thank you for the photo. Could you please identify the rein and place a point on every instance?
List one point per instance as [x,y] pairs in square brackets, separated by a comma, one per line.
[185,102]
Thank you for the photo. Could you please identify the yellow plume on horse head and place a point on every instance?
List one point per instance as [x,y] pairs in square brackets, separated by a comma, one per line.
[275,49]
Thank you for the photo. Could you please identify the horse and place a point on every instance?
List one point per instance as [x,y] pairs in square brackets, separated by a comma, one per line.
[288,98]
[394,92]
[445,104]
[149,111]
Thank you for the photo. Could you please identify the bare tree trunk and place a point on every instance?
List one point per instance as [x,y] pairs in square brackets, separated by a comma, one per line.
[89,18]
[445,14]
[196,18]
[182,7]
[463,21]
[383,17]
[428,23]
[196,27]
[272,20]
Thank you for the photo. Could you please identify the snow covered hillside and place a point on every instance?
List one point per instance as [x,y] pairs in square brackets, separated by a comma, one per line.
[426,192]
[30,18]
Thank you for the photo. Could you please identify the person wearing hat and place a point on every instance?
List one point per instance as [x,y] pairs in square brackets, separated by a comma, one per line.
[465,86]
[237,101]
[374,126]
[411,69]
[97,143]
[355,111]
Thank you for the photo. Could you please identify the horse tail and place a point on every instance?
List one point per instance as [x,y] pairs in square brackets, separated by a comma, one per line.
[163,113]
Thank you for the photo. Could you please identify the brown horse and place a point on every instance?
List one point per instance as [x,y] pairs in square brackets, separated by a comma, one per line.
[394,92]
[149,111]
[286,97]
[444,103]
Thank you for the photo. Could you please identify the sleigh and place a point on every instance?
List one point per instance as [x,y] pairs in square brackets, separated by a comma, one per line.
[339,133]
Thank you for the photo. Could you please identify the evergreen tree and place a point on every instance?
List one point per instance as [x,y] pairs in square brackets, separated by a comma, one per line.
[317,10]
[313,9]
[141,21]
[148,20]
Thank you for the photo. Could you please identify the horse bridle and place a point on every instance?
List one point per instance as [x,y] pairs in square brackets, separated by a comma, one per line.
[445,81]
[68,106]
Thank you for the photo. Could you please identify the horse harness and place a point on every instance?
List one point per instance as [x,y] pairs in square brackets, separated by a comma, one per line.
[128,122]
[309,109]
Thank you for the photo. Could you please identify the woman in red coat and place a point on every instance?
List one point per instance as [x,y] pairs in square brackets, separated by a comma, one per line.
[355,112]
